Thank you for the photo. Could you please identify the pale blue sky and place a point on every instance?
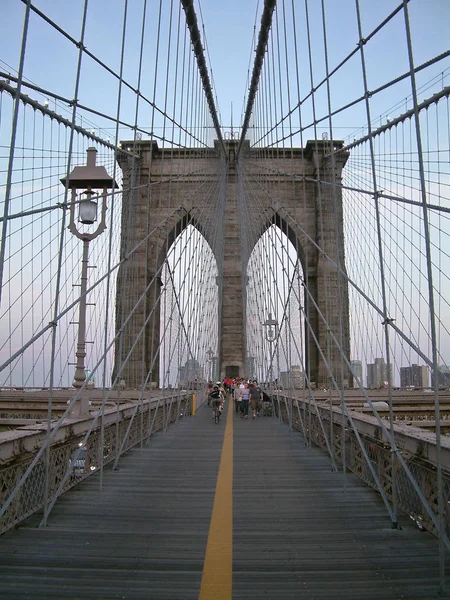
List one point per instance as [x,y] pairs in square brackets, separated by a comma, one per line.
[51,60]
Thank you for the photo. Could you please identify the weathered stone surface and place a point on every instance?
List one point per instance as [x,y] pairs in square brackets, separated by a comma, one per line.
[168,189]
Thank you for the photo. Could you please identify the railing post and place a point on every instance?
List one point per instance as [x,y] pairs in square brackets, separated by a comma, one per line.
[178,409]
[289,411]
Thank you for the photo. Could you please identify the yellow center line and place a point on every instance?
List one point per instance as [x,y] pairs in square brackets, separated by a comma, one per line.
[217,577]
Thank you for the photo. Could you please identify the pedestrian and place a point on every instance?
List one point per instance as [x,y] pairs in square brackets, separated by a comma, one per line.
[245,396]
[215,399]
[256,398]
[237,399]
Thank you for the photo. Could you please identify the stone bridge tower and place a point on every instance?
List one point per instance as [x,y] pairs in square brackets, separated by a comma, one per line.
[298,194]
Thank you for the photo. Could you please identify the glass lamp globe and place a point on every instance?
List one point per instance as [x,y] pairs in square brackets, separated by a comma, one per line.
[88,211]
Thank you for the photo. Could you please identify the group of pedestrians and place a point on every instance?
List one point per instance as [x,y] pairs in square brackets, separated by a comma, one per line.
[247,395]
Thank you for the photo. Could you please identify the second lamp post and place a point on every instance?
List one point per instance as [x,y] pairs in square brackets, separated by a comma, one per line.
[270,334]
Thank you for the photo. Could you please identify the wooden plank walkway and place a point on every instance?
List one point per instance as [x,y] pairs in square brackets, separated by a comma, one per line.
[299,530]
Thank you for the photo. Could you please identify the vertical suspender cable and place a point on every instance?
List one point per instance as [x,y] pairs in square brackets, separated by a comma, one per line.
[12,146]
[380,251]
[111,231]
[432,314]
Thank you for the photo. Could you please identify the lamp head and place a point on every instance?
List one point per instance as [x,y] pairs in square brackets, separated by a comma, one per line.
[88,209]
[271,326]
[89,176]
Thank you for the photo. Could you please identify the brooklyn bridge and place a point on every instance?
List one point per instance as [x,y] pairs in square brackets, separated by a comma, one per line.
[173,218]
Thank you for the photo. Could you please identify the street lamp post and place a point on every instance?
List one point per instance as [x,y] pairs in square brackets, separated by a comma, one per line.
[210,359]
[270,334]
[88,178]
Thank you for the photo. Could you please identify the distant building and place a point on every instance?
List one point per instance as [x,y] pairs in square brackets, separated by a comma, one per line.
[378,374]
[297,377]
[356,366]
[191,374]
[444,377]
[414,376]
[406,377]
[285,380]
[292,379]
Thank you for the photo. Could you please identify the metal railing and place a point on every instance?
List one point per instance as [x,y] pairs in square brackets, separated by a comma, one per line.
[71,458]
[368,455]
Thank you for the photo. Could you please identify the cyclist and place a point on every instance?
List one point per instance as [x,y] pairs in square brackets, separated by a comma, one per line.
[216,399]
[210,389]
[223,395]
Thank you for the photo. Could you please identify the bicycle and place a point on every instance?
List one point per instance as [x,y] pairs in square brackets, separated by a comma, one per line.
[216,412]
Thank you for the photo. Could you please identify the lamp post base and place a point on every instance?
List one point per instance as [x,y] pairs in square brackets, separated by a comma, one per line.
[81,408]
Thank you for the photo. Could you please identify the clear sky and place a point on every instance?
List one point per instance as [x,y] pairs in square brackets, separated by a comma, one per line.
[229,28]
[230,34]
